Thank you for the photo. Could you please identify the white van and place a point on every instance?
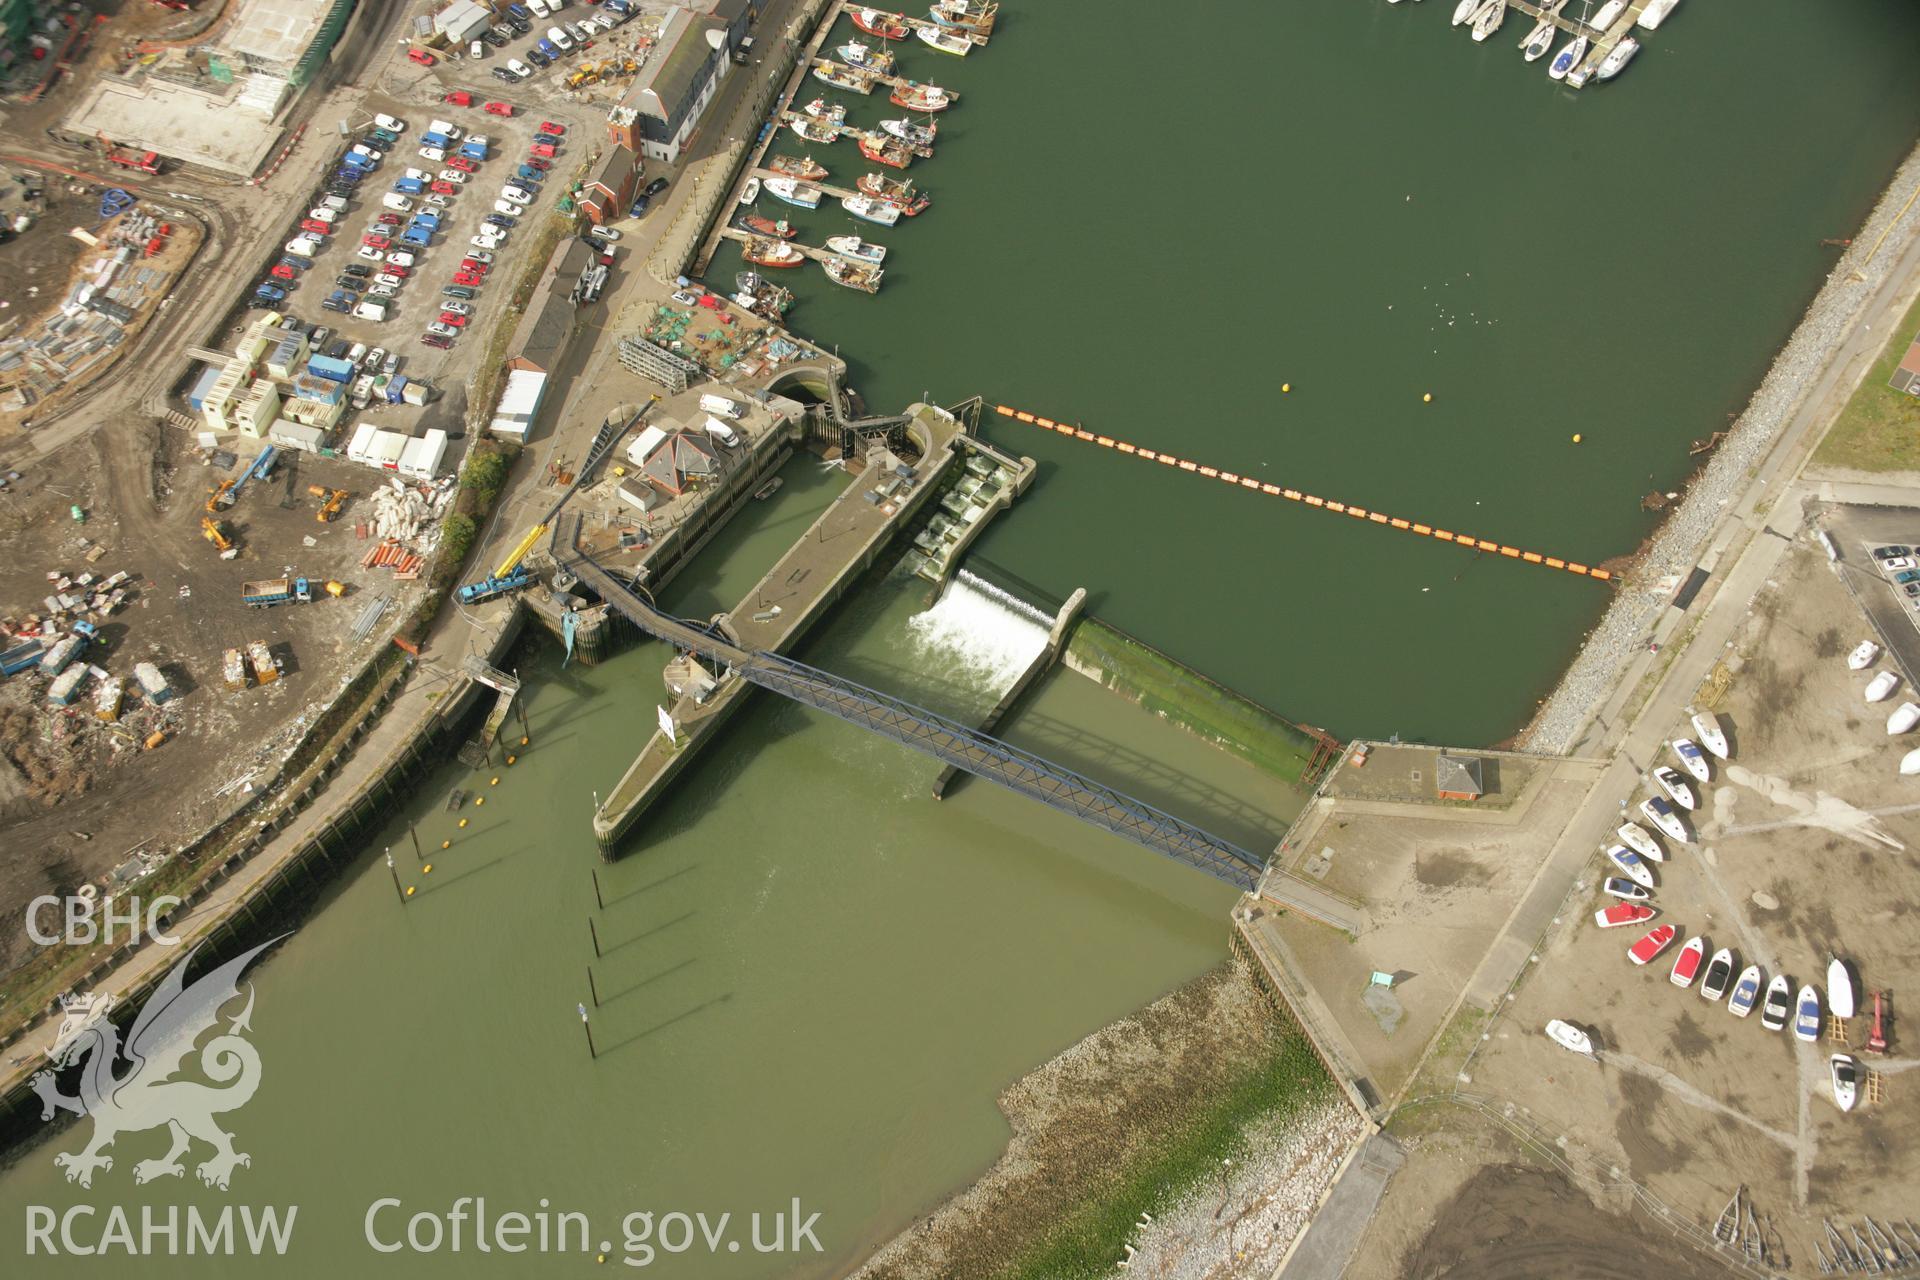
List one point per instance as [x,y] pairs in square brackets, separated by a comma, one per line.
[336,203]
[722,432]
[540,8]
[723,406]
[372,309]
[451,132]
[561,40]
[301,248]
[397,202]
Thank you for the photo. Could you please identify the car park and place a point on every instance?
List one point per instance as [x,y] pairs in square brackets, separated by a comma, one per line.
[442,329]
[553,129]
[421,56]
[436,340]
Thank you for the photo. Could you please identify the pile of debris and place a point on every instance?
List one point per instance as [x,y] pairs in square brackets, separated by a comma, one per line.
[407,512]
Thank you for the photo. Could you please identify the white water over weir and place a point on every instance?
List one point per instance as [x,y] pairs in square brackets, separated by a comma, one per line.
[981,632]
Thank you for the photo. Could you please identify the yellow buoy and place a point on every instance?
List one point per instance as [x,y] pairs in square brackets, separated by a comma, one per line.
[1427,398]
[479,800]
[427,870]
[493,782]
[1286,386]
[463,824]
[523,742]
[1576,437]
[409,891]
[511,759]
[446,844]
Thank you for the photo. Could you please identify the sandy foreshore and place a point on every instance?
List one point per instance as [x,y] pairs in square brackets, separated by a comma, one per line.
[1089,1125]
[1678,545]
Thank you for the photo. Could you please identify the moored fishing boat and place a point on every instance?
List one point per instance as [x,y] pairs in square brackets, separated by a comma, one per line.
[872,209]
[781,230]
[921,97]
[914,135]
[820,109]
[898,192]
[945,41]
[750,192]
[805,168]
[975,17]
[772,253]
[878,23]
[814,130]
[767,298]
[881,149]
[857,249]
[852,274]
[839,76]
[802,195]
[1617,58]
[1568,58]
[864,57]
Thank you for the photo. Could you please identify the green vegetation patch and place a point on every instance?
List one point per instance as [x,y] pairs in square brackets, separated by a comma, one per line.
[1175,692]
[1879,430]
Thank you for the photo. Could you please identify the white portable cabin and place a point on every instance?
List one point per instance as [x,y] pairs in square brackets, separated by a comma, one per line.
[421,458]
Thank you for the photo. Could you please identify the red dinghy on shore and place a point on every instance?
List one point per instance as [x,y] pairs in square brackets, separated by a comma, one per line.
[1686,965]
[1652,944]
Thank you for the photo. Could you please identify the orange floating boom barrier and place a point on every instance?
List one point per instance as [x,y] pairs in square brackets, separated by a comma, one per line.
[1294,495]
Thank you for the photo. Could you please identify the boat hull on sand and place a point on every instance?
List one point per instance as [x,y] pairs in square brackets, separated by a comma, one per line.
[1840,996]
[1686,965]
[1806,1015]
[1631,864]
[1652,943]
[1778,1006]
[1845,1074]
[1706,728]
[1635,837]
[1746,992]
[1713,984]
[1621,914]
[1692,759]
[1568,1036]
[1863,655]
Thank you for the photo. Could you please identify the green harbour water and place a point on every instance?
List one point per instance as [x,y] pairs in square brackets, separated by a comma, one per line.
[814,979]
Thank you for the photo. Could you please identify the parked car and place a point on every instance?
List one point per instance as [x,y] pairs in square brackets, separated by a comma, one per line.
[455,309]
[270,291]
[559,39]
[498,37]
[478,49]
[1899,563]
[517,194]
[433,155]
[337,348]
[454,176]
[503,215]
[390,277]
[400,258]
[363,150]
[485,241]
[639,207]
[387,136]
[473,266]
[466,280]
[537,58]
[605,235]
[338,302]
[395,270]
[453,320]
[520,69]
[392,124]
[298,264]
[441,329]
[322,214]
[498,108]
[389,220]
[460,291]
[348,282]
[463,164]
[442,187]
[436,340]
[539,162]
[552,129]
[281,271]
[372,253]
[544,150]
[480,256]
[548,49]
[654,188]
[421,56]
[384,291]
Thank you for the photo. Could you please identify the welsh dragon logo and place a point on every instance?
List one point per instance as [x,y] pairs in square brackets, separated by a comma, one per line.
[121,1100]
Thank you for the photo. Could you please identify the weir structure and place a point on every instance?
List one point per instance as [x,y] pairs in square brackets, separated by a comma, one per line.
[955,744]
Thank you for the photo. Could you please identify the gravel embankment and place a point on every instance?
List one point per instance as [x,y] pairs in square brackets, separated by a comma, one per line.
[1676,548]
[1270,1193]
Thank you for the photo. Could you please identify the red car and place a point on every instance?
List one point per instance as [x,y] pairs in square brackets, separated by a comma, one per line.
[551,129]
[463,164]
[372,241]
[468,279]
[441,187]
[499,108]
[421,56]
[473,267]
[390,219]
[545,150]
[436,340]
[394,269]
[316,226]
[283,272]
[449,318]
[459,98]
[535,162]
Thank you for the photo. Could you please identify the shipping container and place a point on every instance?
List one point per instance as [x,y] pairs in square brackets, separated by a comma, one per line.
[153,686]
[331,368]
[421,458]
[386,449]
[66,686]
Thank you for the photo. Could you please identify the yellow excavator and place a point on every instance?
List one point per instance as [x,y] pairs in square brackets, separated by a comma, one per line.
[216,496]
[216,533]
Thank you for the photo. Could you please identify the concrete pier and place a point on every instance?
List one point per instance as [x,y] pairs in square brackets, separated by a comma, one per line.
[1042,662]
[847,538]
